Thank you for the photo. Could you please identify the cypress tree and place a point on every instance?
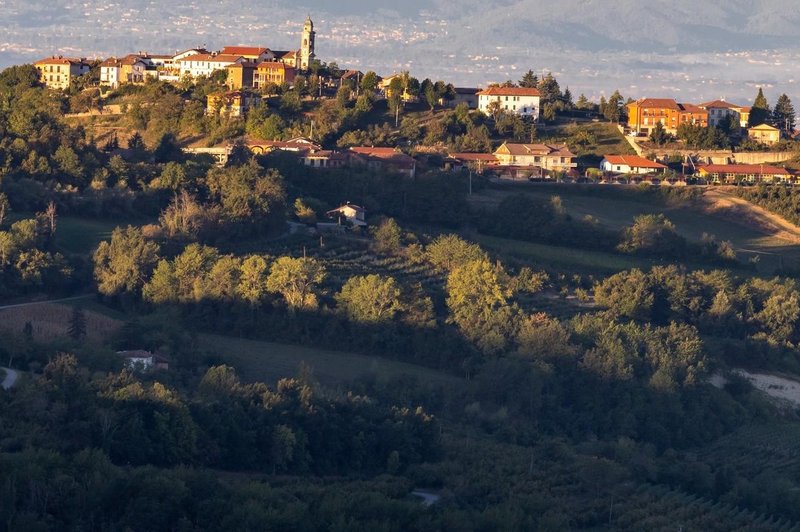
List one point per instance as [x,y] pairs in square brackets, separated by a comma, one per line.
[783,115]
[760,112]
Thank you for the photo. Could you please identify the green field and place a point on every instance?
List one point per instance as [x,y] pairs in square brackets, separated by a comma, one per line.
[616,208]
[82,235]
[544,255]
[269,361]
[76,234]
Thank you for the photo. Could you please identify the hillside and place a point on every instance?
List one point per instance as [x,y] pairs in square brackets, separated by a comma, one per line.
[753,230]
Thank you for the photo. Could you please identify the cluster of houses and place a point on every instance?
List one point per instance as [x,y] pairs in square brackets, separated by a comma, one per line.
[247,66]
[644,114]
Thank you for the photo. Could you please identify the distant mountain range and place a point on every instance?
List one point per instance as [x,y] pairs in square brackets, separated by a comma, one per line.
[693,50]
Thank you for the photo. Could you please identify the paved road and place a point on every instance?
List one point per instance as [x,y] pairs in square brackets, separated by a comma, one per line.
[73,298]
[10,379]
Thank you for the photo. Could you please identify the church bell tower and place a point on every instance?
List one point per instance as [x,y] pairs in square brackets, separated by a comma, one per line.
[307,45]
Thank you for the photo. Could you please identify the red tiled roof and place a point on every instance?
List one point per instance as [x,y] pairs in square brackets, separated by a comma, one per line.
[537,149]
[59,61]
[509,91]
[691,108]
[719,104]
[758,169]
[243,50]
[657,103]
[212,58]
[385,154]
[633,161]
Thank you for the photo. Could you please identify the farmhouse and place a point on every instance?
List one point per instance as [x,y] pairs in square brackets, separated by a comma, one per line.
[630,164]
[231,103]
[141,360]
[59,72]
[765,134]
[746,173]
[351,213]
[474,161]
[206,64]
[720,111]
[386,159]
[548,157]
[518,100]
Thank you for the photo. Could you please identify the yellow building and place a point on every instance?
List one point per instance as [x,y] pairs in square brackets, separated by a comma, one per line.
[232,103]
[241,75]
[765,134]
[272,72]
[59,72]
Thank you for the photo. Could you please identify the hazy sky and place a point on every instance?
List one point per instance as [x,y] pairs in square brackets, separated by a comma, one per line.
[688,49]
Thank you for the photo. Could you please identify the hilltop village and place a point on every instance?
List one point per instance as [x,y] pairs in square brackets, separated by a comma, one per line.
[525,130]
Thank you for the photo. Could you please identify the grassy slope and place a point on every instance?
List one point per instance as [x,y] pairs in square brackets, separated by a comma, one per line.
[618,211]
[269,361]
[82,235]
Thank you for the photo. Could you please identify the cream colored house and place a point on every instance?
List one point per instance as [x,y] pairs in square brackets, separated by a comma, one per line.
[518,100]
[557,158]
[59,72]
[630,164]
[198,65]
[765,134]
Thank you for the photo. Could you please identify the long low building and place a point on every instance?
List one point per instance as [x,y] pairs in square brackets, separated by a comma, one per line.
[546,156]
[748,173]
[630,164]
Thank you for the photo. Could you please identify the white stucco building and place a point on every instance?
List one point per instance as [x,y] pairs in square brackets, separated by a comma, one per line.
[518,100]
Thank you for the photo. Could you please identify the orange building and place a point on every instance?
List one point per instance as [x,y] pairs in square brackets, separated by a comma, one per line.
[241,75]
[644,114]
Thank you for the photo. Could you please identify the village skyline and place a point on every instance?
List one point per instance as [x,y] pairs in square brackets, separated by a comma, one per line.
[724,60]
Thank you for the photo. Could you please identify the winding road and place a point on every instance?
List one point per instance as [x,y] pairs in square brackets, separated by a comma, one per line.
[10,378]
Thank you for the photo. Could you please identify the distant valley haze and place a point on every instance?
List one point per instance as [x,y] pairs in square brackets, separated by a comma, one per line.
[687,49]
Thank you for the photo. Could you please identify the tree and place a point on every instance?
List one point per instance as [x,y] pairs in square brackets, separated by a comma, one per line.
[77,324]
[370,299]
[253,284]
[296,279]
[541,337]
[549,90]
[124,263]
[388,236]
[478,304]
[654,234]
[659,135]
[612,111]
[529,80]
[759,113]
[447,252]
[394,97]
[783,116]
[583,102]
[369,82]
[5,208]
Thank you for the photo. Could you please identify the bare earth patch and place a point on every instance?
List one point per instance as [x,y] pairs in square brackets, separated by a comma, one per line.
[740,211]
[782,390]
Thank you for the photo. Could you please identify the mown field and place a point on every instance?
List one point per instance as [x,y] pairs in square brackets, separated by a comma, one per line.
[269,362]
[616,208]
[76,234]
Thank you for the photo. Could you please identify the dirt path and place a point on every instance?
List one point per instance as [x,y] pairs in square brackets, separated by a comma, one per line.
[724,204]
[782,390]
[29,303]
